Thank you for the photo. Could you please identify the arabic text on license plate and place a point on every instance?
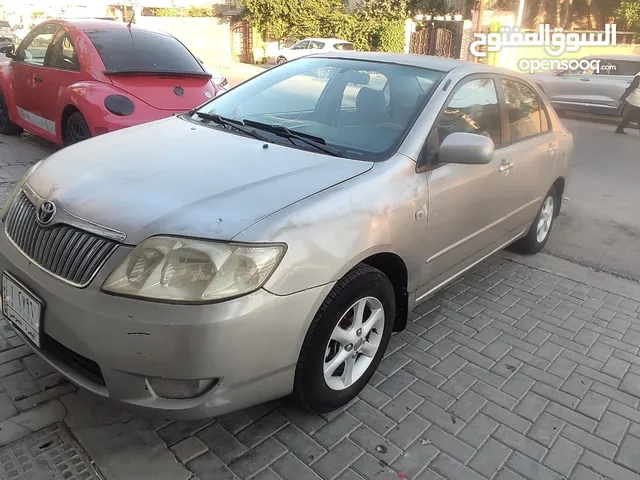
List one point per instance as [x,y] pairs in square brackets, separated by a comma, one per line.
[21,307]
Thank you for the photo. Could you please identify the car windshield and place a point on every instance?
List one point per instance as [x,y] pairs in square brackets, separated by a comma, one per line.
[124,50]
[358,109]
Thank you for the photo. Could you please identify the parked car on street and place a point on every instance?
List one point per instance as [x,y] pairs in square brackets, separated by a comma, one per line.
[71,80]
[309,46]
[588,91]
[271,240]
[7,37]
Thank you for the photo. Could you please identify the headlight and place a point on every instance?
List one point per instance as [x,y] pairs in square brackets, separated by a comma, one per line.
[185,270]
[16,189]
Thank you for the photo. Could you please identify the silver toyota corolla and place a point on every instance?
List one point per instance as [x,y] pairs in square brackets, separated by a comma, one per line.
[271,241]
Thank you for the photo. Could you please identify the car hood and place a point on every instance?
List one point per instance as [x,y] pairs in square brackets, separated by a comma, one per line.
[179,178]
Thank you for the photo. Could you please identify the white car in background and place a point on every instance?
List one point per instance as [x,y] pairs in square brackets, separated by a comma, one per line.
[218,78]
[312,45]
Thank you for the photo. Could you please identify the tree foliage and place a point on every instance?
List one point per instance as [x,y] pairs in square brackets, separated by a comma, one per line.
[391,37]
[374,22]
[629,13]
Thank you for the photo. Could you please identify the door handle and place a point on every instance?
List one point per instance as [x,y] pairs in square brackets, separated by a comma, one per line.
[504,166]
[552,147]
[37,79]
[584,79]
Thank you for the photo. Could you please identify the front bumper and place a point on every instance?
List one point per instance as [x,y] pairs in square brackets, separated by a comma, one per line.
[112,346]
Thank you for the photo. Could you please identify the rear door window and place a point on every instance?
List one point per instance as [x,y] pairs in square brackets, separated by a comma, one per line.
[123,50]
[527,117]
[343,46]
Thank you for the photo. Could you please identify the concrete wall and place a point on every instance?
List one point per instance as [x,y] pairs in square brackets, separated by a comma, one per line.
[208,38]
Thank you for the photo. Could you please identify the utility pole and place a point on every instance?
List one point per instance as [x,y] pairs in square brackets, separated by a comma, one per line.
[124,10]
[480,15]
[479,22]
[520,14]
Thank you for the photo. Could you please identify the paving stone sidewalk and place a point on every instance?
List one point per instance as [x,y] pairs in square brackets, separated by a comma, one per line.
[511,373]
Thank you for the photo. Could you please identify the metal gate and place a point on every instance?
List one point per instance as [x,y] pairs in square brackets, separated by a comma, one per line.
[433,41]
[242,41]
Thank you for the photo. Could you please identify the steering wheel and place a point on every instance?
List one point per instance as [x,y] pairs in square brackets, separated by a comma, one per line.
[391,126]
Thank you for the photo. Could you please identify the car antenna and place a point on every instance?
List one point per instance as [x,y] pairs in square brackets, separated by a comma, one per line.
[131,20]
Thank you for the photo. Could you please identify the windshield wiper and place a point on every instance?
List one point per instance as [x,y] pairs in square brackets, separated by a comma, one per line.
[318,143]
[231,123]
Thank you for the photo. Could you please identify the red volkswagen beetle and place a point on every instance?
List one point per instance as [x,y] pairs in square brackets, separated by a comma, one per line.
[71,80]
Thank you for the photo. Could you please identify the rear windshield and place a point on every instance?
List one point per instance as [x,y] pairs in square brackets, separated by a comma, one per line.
[135,50]
[343,46]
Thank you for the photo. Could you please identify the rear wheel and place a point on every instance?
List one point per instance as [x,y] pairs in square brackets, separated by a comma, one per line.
[7,127]
[540,228]
[346,340]
[76,129]
[280,60]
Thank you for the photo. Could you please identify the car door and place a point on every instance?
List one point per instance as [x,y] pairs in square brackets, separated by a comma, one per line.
[63,70]
[28,76]
[465,206]
[299,49]
[529,155]
[573,90]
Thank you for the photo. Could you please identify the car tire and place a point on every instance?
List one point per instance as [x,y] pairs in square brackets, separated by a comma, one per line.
[540,229]
[76,129]
[280,60]
[7,127]
[322,381]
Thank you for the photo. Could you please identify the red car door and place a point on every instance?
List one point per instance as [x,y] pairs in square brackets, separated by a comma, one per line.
[63,70]
[30,77]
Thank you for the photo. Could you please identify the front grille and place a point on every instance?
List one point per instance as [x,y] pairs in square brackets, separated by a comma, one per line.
[65,251]
[81,365]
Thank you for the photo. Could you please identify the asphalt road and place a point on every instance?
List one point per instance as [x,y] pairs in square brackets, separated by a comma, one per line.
[600,223]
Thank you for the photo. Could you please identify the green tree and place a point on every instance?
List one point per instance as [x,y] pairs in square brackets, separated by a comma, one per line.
[629,13]
[383,10]
[200,11]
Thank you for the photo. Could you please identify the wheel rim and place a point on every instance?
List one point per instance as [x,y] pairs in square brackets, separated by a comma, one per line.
[281,61]
[76,132]
[545,220]
[354,343]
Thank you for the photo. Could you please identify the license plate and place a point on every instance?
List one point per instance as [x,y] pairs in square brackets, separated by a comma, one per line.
[22,308]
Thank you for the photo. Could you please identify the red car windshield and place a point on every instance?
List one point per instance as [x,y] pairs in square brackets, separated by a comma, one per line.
[140,51]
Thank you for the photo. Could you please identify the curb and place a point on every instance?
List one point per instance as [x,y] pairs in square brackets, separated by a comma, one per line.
[578,273]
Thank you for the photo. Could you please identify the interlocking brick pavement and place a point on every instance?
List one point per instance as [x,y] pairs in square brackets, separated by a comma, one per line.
[511,373]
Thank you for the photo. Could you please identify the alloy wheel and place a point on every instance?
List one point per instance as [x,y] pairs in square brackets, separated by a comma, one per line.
[354,343]
[545,220]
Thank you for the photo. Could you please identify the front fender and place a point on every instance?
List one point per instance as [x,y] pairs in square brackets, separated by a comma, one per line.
[330,232]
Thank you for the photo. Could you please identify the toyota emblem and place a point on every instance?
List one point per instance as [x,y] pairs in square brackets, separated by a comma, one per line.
[46,213]
[179,91]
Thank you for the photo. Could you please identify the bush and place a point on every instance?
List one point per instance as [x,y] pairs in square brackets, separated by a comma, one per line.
[390,37]
[166,12]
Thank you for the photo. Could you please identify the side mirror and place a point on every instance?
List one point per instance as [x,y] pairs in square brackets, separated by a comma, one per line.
[466,149]
[7,50]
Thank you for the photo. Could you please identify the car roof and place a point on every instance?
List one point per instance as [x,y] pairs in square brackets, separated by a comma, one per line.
[99,24]
[424,61]
[328,40]
[619,57]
